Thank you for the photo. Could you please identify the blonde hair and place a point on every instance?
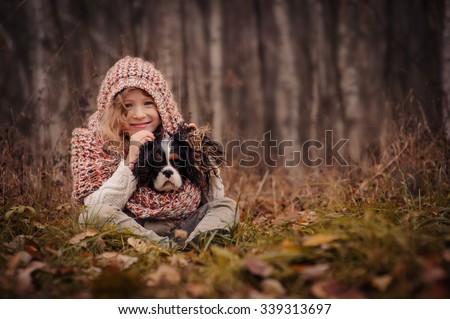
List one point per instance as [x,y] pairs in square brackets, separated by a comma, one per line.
[114,124]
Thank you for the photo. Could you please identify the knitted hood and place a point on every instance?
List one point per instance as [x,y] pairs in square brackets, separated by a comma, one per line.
[135,72]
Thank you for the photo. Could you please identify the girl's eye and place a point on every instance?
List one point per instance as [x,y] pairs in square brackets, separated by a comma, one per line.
[149,103]
[128,106]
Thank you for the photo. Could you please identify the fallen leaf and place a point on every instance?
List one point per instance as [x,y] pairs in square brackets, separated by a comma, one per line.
[286,217]
[332,289]
[32,248]
[63,208]
[307,217]
[287,246]
[434,273]
[446,255]
[19,210]
[319,240]
[24,281]
[178,260]
[327,289]
[197,290]
[381,282]
[21,257]
[79,237]
[39,225]
[258,267]
[314,272]
[255,294]
[272,287]
[117,260]
[17,242]
[165,274]
[139,245]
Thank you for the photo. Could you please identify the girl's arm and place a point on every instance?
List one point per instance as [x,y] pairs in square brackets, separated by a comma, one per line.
[116,190]
[96,177]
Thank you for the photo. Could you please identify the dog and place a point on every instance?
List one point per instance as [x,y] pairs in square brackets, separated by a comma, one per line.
[164,165]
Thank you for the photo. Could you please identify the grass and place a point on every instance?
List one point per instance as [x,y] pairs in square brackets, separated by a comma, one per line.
[378,232]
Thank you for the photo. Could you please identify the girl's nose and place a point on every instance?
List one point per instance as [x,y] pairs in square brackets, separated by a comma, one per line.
[139,111]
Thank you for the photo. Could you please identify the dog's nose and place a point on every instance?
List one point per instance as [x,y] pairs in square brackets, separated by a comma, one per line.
[167,173]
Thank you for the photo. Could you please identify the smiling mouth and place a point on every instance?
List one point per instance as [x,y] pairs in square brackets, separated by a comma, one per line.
[140,124]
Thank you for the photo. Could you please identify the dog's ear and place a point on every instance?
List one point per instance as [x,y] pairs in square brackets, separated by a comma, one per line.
[143,168]
[182,132]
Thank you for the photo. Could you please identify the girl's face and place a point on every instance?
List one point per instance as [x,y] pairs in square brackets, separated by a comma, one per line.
[141,112]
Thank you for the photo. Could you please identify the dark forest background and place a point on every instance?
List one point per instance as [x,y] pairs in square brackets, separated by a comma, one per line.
[292,67]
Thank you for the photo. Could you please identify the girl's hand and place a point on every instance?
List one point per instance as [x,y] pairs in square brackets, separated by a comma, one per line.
[136,141]
[193,126]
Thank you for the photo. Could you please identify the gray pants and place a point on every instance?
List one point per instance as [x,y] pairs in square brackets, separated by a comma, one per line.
[221,213]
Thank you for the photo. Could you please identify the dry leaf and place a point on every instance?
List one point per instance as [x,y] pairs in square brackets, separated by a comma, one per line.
[258,267]
[327,289]
[20,210]
[139,245]
[289,246]
[382,282]
[24,284]
[32,248]
[39,225]
[434,273]
[272,287]
[255,294]
[286,217]
[165,274]
[178,260]
[332,289]
[79,237]
[117,260]
[18,241]
[21,257]
[307,217]
[197,290]
[63,208]
[446,255]
[319,240]
[314,272]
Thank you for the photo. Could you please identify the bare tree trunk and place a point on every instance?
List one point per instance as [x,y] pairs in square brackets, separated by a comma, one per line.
[40,56]
[350,77]
[316,48]
[243,93]
[446,69]
[287,84]
[172,47]
[196,62]
[216,61]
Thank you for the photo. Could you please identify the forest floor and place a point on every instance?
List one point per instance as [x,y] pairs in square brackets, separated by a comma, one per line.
[378,232]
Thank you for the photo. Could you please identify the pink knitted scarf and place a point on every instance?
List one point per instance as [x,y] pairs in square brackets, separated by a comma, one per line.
[92,164]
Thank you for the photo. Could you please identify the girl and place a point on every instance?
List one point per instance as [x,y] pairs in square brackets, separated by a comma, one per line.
[135,105]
